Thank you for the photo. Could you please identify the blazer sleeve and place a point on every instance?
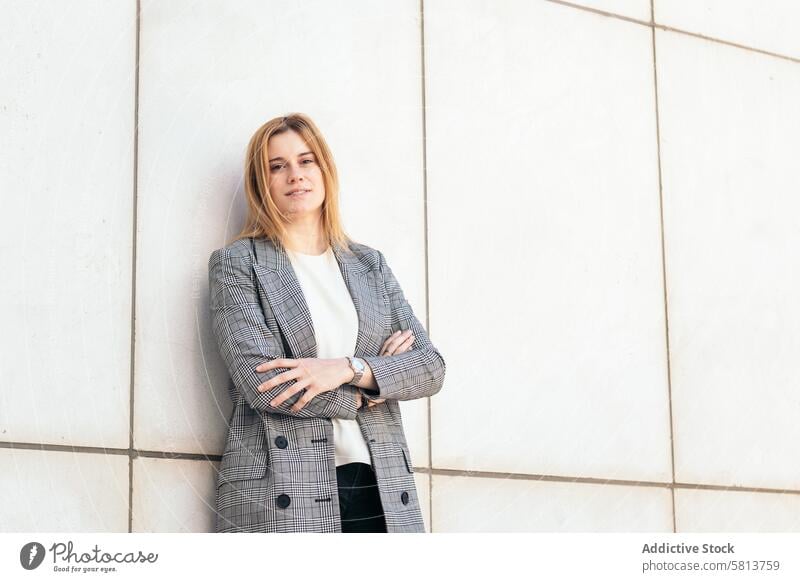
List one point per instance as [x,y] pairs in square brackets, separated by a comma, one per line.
[245,341]
[416,373]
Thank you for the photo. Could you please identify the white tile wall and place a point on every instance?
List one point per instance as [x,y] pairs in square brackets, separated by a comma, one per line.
[543,247]
[698,510]
[47,491]
[356,70]
[769,26]
[66,177]
[479,504]
[545,254]
[729,128]
[174,495]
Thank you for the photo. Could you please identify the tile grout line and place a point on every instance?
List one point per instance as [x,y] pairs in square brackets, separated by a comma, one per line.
[131,451]
[602,12]
[91,450]
[602,481]
[712,39]
[425,229]
[663,263]
[667,28]
[426,470]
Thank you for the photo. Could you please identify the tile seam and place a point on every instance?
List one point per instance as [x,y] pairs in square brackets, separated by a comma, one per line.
[675,485]
[131,451]
[725,42]
[425,230]
[600,12]
[673,29]
[663,263]
[177,456]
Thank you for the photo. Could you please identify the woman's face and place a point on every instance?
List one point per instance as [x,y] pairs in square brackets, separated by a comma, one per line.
[293,166]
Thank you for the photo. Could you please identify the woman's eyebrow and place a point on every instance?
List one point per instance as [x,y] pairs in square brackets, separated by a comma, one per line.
[298,155]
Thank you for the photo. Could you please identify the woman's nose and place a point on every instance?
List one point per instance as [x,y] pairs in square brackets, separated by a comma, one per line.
[294,173]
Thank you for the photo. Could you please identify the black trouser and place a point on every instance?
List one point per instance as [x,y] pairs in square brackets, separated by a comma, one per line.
[359,501]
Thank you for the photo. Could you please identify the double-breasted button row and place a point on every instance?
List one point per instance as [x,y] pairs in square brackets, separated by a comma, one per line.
[284,500]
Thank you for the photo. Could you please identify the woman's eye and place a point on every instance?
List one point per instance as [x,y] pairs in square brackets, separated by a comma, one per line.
[276,168]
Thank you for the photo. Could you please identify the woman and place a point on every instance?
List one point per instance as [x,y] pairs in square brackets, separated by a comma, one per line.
[321,344]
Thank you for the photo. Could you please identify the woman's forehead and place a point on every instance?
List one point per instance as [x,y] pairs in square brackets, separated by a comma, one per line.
[288,143]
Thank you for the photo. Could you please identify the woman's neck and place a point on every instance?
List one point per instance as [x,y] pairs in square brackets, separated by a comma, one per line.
[307,238]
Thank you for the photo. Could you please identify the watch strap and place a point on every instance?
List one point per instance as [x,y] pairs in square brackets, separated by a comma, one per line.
[358,371]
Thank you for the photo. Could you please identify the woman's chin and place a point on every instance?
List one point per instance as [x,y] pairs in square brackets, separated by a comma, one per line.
[300,210]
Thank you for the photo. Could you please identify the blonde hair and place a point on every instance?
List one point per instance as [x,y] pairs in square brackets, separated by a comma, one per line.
[264,219]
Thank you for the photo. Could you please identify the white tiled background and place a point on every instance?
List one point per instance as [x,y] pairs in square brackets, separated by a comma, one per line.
[595,214]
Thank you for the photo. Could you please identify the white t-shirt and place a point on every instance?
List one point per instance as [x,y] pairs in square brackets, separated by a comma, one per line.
[335,330]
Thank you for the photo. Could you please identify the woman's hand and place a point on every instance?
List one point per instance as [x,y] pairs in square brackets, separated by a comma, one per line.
[398,343]
[314,375]
[371,403]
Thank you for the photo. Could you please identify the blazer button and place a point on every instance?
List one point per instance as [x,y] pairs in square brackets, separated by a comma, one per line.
[404,497]
[281,442]
[283,501]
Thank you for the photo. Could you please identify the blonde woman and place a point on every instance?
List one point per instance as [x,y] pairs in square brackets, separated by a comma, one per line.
[321,345]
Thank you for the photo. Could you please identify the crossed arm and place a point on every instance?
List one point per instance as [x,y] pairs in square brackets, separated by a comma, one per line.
[245,342]
[318,375]
[417,373]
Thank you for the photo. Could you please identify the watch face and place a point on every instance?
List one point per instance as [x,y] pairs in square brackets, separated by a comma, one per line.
[358,364]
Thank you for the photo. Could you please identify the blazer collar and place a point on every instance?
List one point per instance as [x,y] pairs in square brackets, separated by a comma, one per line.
[279,282]
[274,258]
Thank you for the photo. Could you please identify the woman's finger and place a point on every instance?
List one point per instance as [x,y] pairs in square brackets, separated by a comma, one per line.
[303,400]
[395,340]
[387,343]
[405,346]
[277,363]
[288,393]
[280,379]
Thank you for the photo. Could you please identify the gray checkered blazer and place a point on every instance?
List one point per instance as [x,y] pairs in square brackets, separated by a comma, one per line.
[278,471]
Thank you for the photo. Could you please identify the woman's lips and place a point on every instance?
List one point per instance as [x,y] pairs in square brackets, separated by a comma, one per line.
[301,193]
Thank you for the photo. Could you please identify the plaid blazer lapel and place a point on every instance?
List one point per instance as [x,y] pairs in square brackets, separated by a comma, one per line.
[275,274]
[279,282]
[372,306]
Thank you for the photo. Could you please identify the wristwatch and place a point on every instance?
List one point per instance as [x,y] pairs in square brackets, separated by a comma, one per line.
[358,369]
